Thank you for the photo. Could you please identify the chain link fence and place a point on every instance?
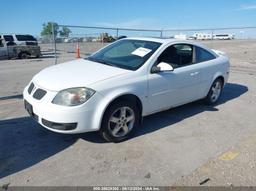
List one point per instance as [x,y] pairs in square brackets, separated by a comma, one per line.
[88,39]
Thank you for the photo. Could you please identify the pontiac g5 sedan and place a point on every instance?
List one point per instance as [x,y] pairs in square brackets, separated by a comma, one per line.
[113,89]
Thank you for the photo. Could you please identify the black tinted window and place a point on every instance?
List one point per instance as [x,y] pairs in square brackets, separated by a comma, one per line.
[8,38]
[25,38]
[177,55]
[1,43]
[203,55]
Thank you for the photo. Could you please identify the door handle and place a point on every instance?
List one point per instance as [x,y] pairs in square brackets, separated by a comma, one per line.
[194,73]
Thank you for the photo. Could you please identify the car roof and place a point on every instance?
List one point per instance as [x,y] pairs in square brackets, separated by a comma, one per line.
[165,40]
[11,34]
[153,39]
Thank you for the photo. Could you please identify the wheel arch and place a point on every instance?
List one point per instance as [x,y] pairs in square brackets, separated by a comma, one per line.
[219,76]
[216,76]
[106,104]
[21,52]
[127,97]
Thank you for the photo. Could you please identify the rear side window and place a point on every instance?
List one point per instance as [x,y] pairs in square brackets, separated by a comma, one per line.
[203,55]
[8,38]
[25,38]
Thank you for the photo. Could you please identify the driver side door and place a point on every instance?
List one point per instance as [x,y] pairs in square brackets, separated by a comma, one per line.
[172,88]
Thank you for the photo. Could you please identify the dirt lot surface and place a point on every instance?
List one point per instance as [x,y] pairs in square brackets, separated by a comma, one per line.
[190,145]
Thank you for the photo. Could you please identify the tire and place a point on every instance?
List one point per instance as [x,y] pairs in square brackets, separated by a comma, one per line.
[119,121]
[23,55]
[214,92]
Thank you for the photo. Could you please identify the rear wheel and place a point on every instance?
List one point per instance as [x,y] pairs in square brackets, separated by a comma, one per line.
[119,121]
[23,55]
[214,92]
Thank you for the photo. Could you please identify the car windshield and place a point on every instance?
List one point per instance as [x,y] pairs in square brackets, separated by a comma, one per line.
[127,54]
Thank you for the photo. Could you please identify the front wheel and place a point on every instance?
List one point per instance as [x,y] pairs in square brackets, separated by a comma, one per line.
[214,92]
[119,121]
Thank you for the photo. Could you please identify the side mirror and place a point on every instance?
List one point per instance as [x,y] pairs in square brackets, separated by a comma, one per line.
[162,67]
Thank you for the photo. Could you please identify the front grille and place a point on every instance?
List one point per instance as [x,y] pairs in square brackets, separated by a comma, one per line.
[31,87]
[39,94]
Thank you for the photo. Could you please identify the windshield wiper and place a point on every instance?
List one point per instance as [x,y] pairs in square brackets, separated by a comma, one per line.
[101,61]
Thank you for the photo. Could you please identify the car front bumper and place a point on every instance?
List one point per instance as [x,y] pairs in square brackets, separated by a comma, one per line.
[61,119]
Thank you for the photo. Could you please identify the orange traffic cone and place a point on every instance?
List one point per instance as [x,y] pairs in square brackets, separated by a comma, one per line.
[78,51]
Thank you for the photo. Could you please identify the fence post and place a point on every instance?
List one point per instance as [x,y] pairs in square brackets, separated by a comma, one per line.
[161,33]
[117,31]
[54,42]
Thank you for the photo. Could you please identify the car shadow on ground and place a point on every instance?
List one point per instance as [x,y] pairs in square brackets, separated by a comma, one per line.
[23,143]
[18,96]
[166,118]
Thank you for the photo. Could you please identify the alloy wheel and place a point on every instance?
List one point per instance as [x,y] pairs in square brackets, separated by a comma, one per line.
[216,90]
[121,121]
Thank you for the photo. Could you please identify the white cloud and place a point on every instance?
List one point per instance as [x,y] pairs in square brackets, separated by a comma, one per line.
[248,7]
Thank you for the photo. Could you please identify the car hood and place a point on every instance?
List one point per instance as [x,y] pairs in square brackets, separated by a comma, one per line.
[77,73]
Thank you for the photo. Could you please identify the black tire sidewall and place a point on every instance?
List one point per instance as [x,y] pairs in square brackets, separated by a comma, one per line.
[104,131]
[23,55]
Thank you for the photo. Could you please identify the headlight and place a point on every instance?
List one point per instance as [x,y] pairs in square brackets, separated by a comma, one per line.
[73,96]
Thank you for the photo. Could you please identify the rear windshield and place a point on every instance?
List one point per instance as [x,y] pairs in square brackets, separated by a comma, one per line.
[25,38]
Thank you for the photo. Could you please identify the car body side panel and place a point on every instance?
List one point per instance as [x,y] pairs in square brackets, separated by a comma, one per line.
[212,70]
[136,86]
[175,87]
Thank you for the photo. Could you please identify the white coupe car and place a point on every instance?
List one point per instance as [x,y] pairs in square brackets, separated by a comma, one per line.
[113,89]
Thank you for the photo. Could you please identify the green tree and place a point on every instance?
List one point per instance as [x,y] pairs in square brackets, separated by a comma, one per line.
[65,32]
[105,37]
[47,29]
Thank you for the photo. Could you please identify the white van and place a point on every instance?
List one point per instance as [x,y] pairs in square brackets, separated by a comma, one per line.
[224,37]
[19,39]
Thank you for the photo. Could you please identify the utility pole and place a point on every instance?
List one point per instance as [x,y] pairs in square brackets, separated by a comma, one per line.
[54,42]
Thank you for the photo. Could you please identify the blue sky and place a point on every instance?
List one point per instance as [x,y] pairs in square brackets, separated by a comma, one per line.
[27,16]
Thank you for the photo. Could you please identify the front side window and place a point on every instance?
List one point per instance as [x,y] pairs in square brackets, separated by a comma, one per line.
[178,55]
[127,54]
[203,55]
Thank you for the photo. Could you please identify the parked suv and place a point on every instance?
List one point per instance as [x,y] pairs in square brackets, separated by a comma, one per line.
[20,39]
[26,45]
